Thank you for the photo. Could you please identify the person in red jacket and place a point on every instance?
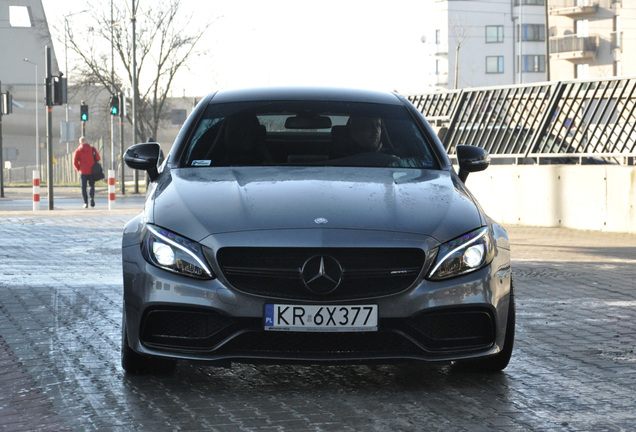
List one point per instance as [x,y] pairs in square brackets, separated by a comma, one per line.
[83,159]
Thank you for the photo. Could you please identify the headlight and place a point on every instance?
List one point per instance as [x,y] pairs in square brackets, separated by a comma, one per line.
[170,251]
[465,254]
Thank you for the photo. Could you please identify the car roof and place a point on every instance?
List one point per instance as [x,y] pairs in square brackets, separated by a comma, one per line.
[304,93]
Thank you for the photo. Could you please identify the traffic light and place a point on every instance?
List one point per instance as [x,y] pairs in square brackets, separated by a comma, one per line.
[59,90]
[114,105]
[84,111]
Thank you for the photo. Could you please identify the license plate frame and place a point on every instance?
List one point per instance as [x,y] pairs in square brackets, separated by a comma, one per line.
[320,318]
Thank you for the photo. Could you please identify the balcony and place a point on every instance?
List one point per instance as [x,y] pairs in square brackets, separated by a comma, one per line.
[573,47]
[573,8]
[441,50]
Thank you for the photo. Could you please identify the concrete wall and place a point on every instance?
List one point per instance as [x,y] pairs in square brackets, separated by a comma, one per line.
[588,197]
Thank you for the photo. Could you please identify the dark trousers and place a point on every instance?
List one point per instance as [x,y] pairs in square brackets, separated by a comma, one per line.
[87,180]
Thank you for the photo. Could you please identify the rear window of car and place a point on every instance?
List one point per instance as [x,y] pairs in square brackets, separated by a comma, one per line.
[307,133]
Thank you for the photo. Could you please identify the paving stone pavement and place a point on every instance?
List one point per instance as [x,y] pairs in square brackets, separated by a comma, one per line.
[573,367]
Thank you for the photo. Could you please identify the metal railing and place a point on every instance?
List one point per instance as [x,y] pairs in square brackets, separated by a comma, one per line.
[64,172]
[562,122]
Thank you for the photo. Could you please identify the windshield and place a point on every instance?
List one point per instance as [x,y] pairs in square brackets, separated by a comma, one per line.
[307,133]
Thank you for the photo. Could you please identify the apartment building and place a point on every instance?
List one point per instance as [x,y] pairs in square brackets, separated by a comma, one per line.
[479,43]
[591,38]
[488,42]
[24,33]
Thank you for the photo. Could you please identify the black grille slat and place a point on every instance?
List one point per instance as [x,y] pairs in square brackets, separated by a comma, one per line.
[263,272]
[276,272]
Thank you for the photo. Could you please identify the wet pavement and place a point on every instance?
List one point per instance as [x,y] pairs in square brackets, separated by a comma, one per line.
[69,198]
[573,367]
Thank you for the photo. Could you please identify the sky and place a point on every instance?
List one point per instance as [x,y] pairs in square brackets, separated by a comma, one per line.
[374,44]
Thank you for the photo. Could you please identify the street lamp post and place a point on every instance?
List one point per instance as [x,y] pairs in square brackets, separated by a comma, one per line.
[37,121]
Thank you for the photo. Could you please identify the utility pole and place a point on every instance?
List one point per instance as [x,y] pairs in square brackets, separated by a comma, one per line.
[2,109]
[38,168]
[6,108]
[113,89]
[122,114]
[68,129]
[55,95]
[135,88]
[49,124]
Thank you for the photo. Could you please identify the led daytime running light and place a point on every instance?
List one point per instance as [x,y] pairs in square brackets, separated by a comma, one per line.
[181,247]
[457,249]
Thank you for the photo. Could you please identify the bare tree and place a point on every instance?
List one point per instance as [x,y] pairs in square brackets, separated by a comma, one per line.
[165,42]
[460,33]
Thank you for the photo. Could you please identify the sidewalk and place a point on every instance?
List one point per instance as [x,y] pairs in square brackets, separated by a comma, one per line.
[67,200]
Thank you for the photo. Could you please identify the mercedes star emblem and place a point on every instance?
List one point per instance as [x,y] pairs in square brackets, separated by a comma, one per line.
[321,274]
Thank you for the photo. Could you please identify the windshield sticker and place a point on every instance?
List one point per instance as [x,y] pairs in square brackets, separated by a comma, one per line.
[201,163]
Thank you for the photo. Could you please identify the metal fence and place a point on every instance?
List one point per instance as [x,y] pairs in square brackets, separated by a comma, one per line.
[63,170]
[554,122]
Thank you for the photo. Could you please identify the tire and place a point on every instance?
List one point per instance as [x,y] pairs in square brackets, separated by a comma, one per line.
[134,363]
[499,361]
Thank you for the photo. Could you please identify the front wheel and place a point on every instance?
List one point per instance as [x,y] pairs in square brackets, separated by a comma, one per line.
[499,361]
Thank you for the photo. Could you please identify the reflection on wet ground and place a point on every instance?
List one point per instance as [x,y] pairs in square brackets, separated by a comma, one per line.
[573,367]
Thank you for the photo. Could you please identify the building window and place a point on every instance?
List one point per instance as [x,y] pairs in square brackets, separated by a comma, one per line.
[582,71]
[533,63]
[582,28]
[19,16]
[530,2]
[438,37]
[532,32]
[494,64]
[494,34]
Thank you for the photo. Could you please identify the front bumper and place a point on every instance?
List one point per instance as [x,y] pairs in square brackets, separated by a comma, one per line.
[173,316]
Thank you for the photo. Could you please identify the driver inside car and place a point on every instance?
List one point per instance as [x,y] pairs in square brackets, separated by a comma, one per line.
[365,133]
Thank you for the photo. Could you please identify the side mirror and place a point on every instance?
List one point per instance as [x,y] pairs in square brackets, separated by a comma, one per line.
[144,156]
[471,159]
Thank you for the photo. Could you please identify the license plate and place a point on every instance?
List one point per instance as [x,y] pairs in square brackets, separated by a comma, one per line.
[332,318]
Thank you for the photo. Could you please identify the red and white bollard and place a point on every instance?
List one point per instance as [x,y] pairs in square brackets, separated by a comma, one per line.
[111,189]
[36,190]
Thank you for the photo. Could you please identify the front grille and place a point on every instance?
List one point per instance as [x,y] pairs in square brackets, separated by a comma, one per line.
[276,272]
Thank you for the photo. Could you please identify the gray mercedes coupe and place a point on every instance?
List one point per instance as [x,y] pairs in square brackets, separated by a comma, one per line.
[312,225]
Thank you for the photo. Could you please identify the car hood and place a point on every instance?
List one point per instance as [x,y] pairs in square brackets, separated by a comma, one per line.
[197,202]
